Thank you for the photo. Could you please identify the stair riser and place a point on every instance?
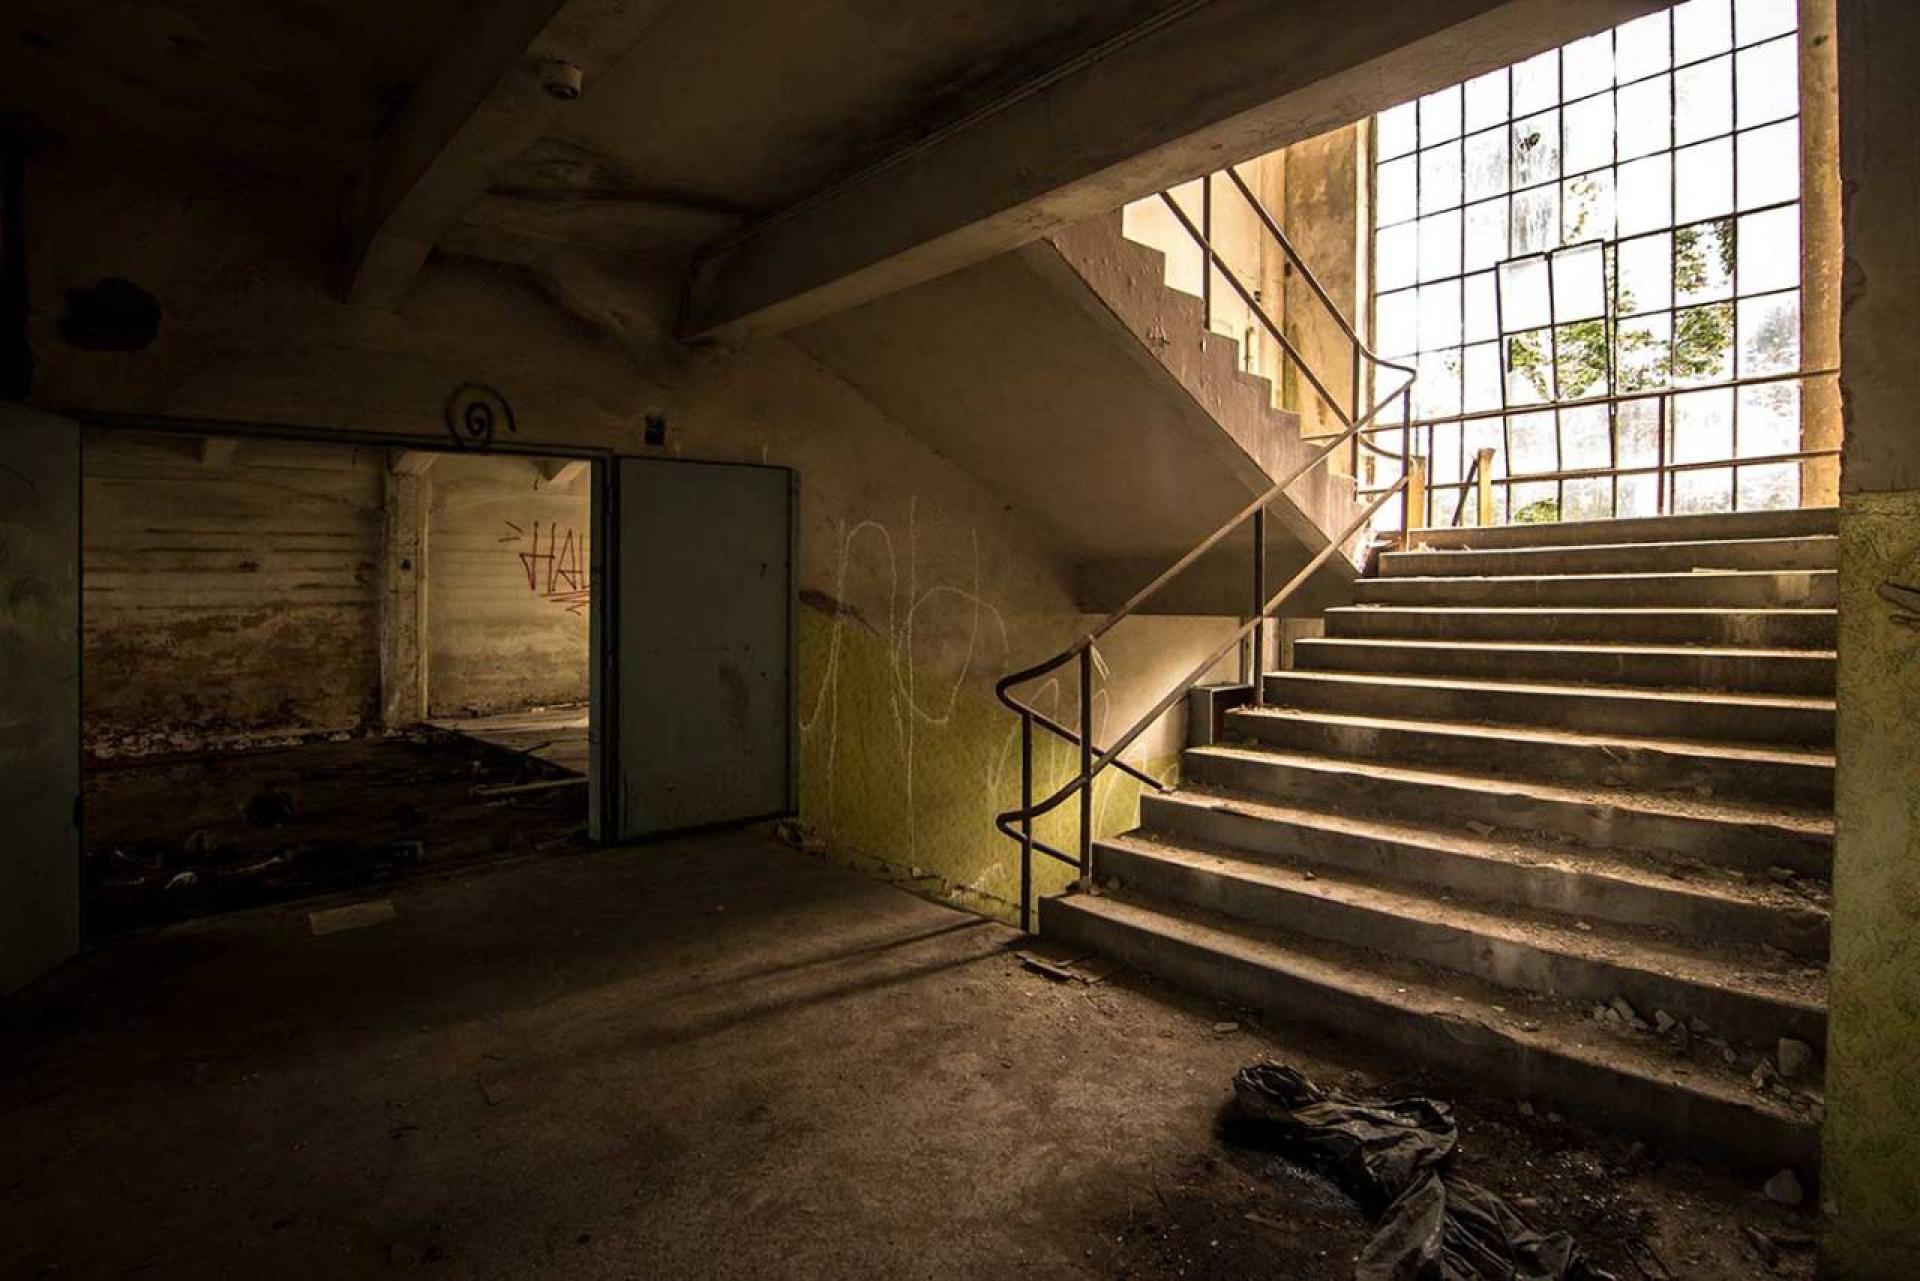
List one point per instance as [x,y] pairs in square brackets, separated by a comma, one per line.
[1581,713]
[1486,1059]
[1749,847]
[1805,553]
[1815,590]
[1743,673]
[1545,888]
[1799,523]
[1761,630]
[1504,962]
[1585,764]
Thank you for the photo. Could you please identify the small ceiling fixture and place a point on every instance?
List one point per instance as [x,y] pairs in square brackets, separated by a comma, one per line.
[561,79]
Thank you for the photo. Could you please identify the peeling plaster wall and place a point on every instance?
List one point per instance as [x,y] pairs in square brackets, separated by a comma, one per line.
[507,607]
[920,586]
[226,602]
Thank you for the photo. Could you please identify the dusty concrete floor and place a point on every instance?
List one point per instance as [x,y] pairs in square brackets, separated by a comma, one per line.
[712,1057]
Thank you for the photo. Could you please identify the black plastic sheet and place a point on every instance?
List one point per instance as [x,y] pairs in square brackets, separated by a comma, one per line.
[1390,1157]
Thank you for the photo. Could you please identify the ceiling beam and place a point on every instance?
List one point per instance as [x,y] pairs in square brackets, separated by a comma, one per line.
[557,473]
[479,106]
[411,462]
[1207,86]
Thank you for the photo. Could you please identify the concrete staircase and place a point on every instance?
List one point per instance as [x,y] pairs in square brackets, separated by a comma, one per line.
[1549,809]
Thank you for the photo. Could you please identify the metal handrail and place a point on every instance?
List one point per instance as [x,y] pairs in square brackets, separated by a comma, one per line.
[1017,824]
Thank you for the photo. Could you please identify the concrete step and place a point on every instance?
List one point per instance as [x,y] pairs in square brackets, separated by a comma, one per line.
[1821,551]
[1765,628]
[1522,872]
[1745,999]
[1511,1044]
[1777,775]
[1593,709]
[1746,837]
[1703,527]
[1747,589]
[1776,671]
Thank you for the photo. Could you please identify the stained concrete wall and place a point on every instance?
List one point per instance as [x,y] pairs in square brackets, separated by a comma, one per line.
[507,600]
[228,590]
[919,587]
[1872,1139]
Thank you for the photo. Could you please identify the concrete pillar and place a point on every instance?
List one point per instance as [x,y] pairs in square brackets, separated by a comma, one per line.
[1871,1166]
[403,591]
[1820,248]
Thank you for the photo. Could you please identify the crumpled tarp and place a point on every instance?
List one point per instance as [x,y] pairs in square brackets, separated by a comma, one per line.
[1388,1157]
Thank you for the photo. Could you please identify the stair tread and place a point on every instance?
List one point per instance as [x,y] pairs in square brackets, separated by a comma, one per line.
[1689,575]
[1705,748]
[1600,611]
[1545,549]
[1474,684]
[1566,647]
[1714,809]
[1537,1022]
[1748,971]
[1506,846]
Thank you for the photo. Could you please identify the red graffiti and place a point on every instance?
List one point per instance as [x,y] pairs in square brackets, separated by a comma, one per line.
[555,574]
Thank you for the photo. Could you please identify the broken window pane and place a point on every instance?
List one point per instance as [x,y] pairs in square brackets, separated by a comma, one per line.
[1701,29]
[1487,165]
[1586,66]
[1703,101]
[1769,334]
[1581,359]
[1770,250]
[1646,117]
[1530,367]
[1440,245]
[1395,131]
[1643,198]
[1536,149]
[1768,79]
[1526,300]
[1770,165]
[1586,208]
[1703,180]
[1440,116]
[1641,352]
[1440,177]
[1703,261]
[1536,82]
[1536,220]
[1703,344]
[1645,266]
[1589,134]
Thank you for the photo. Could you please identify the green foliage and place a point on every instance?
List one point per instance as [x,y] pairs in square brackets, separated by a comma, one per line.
[1544,511]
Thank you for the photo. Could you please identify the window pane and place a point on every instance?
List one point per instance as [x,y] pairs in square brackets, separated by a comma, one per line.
[1437,392]
[1703,261]
[1393,256]
[1482,386]
[1640,48]
[1585,440]
[1533,504]
[1586,66]
[1770,250]
[1586,208]
[1532,443]
[1525,294]
[1637,423]
[1579,284]
[1590,498]
[1393,192]
[1530,368]
[1701,28]
[1589,137]
[1770,165]
[1703,344]
[1536,220]
[1646,117]
[1703,426]
[1769,419]
[1486,100]
[1486,234]
[1440,116]
[1440,245]
[1439,315]
[1638,496]
[1486,164]
[1581,359]
[1394,319]
[1645,267]
[1536,149]
[1770,334]
[1394,130]
[1440,177]
[1644,199]
[1536,82]
[1769,82]
[1775,487]
[1703,180]
[1758,19]
[1709,490]
[1703,101]
[1482,316]
[1642,351]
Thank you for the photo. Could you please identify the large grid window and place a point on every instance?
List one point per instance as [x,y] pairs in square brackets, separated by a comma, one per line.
[1618,215]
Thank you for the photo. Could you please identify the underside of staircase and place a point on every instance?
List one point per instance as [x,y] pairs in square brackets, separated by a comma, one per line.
[1549,809]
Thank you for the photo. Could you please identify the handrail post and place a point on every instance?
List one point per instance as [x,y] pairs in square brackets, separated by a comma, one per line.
[1026,823]
[1086,767]
[1353,449]
[1406,468]
[1259,653]
[1416,499]
[1483,464]
[1206,254]
[1660,458]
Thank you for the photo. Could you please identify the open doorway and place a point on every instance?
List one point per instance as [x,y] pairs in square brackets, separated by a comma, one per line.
[313,666]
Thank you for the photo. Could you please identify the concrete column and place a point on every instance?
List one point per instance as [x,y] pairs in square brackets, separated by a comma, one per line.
[1325,213]
[1820,248]
[1871,1166]
[403,591]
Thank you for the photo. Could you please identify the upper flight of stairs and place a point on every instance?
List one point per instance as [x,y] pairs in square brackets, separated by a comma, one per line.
[1540,789]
